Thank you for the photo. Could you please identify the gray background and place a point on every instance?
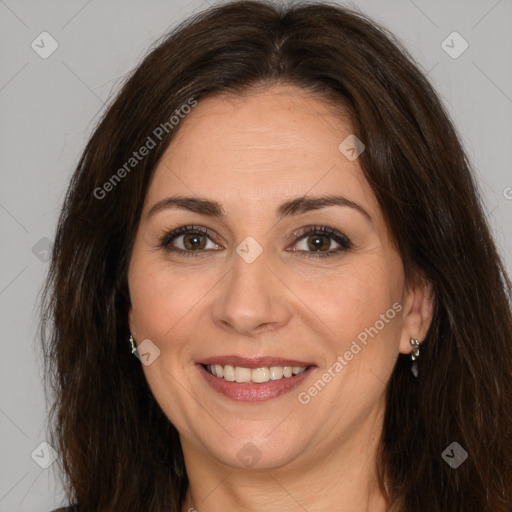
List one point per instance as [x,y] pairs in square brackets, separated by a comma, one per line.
[49,106]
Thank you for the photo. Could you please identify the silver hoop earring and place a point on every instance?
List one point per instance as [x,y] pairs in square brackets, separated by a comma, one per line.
[134,348]
[414,355]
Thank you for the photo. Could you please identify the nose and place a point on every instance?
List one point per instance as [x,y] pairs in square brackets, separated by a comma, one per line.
[252,299]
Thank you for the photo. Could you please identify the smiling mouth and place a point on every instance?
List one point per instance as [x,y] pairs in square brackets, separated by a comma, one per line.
[259,375]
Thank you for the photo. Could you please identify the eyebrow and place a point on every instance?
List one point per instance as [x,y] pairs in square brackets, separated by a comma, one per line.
[289,208]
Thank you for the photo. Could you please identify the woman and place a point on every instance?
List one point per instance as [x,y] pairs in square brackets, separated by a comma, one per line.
[273,286]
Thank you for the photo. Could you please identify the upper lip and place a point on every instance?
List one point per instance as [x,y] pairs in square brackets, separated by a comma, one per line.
[254,362]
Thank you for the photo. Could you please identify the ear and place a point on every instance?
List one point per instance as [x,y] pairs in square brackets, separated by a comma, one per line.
[130,321]
[418,310]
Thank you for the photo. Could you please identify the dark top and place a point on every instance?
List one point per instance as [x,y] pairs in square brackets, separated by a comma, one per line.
[397,506]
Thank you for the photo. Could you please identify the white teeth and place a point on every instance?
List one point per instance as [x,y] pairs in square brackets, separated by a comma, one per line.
[242,374]
[229,372]
[260,375]
[276,372]
[254,375]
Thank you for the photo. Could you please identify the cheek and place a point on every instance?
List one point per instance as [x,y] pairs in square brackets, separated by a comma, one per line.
[363,316]
[371,322]
[352,300]
[165,300]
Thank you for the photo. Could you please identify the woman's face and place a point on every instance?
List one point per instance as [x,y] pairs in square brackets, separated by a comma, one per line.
[258,291]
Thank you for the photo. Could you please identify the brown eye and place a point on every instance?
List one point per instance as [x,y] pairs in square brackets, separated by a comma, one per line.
[188,240]
[194,241]
[318,240]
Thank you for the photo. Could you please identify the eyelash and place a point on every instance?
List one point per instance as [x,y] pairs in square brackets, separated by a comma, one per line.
[166,238]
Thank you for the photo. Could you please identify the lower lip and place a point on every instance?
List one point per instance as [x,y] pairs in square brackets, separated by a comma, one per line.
[248,392]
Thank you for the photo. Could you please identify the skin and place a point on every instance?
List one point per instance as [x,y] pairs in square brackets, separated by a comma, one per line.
[251,153]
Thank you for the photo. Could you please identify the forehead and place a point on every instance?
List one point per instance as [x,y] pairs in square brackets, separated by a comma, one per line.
[259,148]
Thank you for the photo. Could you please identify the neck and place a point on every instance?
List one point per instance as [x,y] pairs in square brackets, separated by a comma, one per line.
[342,478]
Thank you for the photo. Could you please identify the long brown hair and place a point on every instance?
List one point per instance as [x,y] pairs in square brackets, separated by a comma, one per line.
[118,450]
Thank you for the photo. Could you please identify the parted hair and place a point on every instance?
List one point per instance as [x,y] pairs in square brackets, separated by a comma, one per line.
[118,451]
